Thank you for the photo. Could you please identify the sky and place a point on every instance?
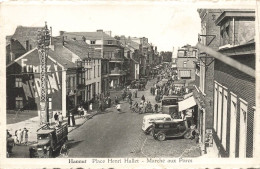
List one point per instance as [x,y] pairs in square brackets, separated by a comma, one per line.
[165,26]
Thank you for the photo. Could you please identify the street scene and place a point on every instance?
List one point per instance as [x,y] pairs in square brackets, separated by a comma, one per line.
[86,93]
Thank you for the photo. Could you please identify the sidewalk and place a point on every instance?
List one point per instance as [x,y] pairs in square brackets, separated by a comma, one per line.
[33,124]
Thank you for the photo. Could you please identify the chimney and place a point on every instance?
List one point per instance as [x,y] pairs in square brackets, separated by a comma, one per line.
[51,39]
[61,33]
[100,30]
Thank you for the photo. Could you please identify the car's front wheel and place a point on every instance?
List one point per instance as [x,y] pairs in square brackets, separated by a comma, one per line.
[161,136]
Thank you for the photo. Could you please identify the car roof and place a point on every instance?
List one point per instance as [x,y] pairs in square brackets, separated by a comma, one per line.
[166,122]
[172,97]
[156,115]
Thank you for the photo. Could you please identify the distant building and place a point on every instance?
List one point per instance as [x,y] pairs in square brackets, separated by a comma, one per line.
[110,49]
[186,57]
[23,40]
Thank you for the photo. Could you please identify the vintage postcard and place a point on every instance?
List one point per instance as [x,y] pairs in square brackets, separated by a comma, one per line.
[122,84]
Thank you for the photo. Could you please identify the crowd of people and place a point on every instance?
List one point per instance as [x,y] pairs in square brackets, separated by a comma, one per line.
[21,136]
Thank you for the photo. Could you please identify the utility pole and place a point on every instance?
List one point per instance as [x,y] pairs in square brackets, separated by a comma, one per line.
[43,49]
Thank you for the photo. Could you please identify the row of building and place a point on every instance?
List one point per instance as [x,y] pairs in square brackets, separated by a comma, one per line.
[80,67]
[222,67]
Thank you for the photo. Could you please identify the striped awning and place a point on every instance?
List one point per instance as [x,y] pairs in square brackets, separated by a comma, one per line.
[185,73]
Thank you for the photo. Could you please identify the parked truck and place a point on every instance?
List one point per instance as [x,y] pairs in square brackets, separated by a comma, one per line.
[49,140]
[170,105]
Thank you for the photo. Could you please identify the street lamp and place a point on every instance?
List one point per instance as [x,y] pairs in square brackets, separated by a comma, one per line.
[43,40]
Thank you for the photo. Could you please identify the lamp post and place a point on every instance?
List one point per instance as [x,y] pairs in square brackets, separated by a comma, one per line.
[43,40]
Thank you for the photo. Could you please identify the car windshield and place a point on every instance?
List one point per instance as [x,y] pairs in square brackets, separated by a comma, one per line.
[169,102]
[43,136]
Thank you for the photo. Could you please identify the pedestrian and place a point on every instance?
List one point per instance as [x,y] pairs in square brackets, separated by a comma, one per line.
[118,107]
[99,107]
[85,113]
[143,98]
[19,136]
[109,101]
[16,137]
[25,135]
[60,118]
[156,108]
[64,150]
[90,107]
[56,118]
[116,100]
[130,103]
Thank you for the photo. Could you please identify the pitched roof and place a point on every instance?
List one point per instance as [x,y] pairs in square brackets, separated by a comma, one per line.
[22,34]
[82,49]
[34,53]
[91,35]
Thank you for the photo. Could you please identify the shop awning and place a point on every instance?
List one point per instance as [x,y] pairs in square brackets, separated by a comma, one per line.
[186,104]
[187,95]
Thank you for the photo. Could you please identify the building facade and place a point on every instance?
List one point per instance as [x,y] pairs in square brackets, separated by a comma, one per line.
[204,73]
[234,89]
[186,57]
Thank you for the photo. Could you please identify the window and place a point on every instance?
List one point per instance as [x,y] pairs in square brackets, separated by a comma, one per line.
[224,130]
[27,45]
[220,95]
[98,88]
[92,42]
[18,82]
[110,42]
[202,77]
[94,71]
[185,74]
[87,73]
[215,105]
[184,64]
[166,126]
[19,102]
[243,129]
[98,71]
[233,124]
[80,78]
[83,78]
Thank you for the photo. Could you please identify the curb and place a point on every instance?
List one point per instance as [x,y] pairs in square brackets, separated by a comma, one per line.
[89,117]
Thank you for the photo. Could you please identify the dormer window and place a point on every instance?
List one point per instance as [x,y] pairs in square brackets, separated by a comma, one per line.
[92,42]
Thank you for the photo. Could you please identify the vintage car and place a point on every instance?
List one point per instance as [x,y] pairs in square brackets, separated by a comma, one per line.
[168,129]
[149,119]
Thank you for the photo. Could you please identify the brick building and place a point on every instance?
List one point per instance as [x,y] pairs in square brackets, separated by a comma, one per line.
[204,73]
[234,90]
[23,40]
[23,81]
[186,57]
[234,86]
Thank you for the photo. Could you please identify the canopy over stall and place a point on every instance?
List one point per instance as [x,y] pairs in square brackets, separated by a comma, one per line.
[186,104]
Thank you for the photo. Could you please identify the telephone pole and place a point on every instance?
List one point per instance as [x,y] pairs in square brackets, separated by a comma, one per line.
[43,49]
